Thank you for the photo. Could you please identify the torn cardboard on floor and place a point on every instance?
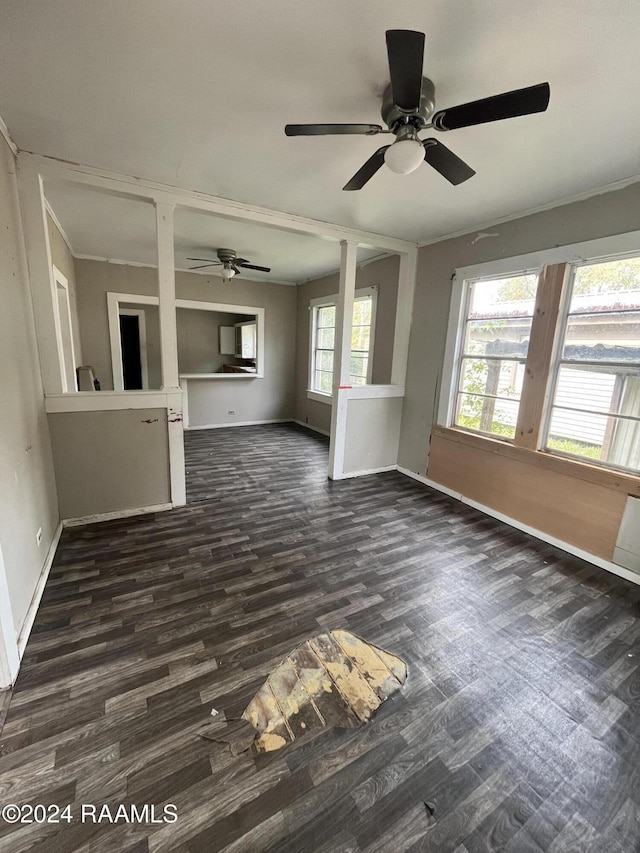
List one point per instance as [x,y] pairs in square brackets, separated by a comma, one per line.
[334,679]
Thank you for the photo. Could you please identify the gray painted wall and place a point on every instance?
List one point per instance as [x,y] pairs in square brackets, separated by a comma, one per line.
[263,399]
[28,490]
[94,280]
[108,461]
[600,216]
[383,273]
[199,339]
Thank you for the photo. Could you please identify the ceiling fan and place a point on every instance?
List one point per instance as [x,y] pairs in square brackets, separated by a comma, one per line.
[408,107]
[230,262]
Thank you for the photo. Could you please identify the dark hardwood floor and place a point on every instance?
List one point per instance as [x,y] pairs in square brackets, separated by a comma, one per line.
[518,724]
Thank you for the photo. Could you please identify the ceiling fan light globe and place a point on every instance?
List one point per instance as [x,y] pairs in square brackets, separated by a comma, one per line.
[404,156]
[227,273]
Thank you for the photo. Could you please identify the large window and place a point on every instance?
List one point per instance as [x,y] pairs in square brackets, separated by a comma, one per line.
[495,341]
[595,411]
[550,360]
[323,326]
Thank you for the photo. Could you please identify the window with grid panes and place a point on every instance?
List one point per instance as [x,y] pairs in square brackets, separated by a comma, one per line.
[595,404]
[495,342]
[324,337]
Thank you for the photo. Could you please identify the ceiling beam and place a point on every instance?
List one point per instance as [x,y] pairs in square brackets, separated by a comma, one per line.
[151,191]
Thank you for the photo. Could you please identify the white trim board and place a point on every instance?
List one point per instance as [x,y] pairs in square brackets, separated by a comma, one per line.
[81,520]
[525,528]
[238,424]
[27,625]
[128,186]
[346,475]
[107,401]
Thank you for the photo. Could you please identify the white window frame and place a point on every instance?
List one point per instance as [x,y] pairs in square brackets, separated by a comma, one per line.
[327,302]
[603,249]
[557,361]
[452,366]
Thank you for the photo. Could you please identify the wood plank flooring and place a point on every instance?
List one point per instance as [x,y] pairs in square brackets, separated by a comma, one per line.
[518,724]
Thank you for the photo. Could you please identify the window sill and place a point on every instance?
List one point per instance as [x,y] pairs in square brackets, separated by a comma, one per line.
[613,479]
[319,397]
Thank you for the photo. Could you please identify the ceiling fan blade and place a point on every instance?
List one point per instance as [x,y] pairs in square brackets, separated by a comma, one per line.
[405,49]
[328,129]
[235,269]
[446,162]
[367,171]
[207,260]
[202,266]
[520,102]
[254,267]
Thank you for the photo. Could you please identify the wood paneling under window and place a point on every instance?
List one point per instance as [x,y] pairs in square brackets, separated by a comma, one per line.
[578,504]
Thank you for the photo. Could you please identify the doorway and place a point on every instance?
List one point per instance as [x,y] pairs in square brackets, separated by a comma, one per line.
[133,347]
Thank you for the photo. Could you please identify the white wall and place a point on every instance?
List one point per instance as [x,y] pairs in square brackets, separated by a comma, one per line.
[373,432]
[27,484]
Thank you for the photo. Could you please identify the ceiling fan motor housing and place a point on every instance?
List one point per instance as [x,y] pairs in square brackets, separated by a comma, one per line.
[226,255]
[394,117]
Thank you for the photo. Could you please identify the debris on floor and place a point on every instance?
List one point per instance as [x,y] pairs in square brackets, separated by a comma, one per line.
[238,734]
[334,679]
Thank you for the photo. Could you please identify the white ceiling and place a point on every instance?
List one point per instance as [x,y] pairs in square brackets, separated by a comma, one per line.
[196,93]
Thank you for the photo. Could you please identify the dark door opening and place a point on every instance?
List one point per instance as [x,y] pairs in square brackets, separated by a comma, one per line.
[130,343]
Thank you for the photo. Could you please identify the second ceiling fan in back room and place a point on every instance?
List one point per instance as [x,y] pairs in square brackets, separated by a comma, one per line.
[229,261]
[408,107]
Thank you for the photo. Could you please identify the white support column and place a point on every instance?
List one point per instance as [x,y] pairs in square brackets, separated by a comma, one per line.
[167,296]
[175,428]
[169,350]
[342,358]
[43,287]
[404,311]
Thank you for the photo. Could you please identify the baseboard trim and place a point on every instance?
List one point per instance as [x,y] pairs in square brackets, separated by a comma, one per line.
[312,428]
[383,470]
[601,563]
[118,513]
[237,424]
[27,625]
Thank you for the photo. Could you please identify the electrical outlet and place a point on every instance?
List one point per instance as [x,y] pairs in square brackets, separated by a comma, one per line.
[231,412]
[39,537]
